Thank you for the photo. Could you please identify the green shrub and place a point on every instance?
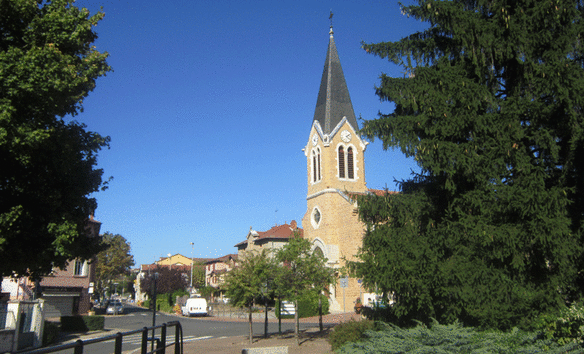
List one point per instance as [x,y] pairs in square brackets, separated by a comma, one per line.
[565,327]
[351,331]
[452,338]
[94,323]
[82,323]
[308,306]
[50,333]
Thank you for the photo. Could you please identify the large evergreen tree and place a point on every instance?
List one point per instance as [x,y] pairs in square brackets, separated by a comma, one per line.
[47,162]
[490,107]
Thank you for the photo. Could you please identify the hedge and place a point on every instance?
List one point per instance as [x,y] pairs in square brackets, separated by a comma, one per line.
[82,323]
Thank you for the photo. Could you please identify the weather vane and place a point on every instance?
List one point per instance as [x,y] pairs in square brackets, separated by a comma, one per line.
[331,17]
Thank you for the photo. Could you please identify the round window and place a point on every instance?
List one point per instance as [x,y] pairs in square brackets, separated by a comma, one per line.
[316,217]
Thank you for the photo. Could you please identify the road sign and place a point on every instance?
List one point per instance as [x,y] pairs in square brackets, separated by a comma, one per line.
[344,282]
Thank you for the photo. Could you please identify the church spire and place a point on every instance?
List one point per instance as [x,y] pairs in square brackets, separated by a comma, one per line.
[333,102]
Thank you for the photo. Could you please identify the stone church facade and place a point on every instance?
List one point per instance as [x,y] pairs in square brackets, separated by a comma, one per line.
[335,171]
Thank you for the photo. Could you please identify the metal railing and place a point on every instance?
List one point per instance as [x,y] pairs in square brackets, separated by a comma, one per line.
[161,344]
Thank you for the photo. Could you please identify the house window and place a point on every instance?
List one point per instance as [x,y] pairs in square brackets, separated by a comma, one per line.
[79,268]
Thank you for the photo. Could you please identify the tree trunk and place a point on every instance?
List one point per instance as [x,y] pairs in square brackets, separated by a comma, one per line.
[296,323]
[250,325]
[266,318]
[320,327]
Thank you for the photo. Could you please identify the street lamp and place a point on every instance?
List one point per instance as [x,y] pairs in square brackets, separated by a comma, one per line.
[192,261]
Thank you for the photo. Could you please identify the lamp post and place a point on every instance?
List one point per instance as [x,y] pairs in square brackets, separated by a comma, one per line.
[153,300]
[192,261]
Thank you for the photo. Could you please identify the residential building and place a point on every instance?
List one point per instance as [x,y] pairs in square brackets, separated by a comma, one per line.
[66,291]
[215,269]
[271,240]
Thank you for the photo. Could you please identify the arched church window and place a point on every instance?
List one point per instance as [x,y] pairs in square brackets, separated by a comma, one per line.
[317,251]
[341,162]
[316,175]
[313,166]
[350,168]
[318,160]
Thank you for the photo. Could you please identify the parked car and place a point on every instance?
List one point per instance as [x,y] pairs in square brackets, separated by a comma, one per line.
[114,308]
[195,306]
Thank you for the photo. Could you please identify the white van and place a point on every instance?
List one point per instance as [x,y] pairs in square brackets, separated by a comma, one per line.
[195,306]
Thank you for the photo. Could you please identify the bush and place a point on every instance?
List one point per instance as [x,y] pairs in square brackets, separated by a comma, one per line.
[50,333]
[351,331]
[308,306]
[82,323]
[565,327]
[452,338]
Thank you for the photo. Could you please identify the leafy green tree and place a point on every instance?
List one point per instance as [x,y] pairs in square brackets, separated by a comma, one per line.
[198,275]
[247,281]
[302,271]
[47,67]
[114,262]
[490,106]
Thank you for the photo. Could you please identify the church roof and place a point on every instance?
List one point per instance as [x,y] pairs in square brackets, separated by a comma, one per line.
[333,102]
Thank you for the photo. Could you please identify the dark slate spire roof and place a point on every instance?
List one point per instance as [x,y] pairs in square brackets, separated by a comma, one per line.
[333,101]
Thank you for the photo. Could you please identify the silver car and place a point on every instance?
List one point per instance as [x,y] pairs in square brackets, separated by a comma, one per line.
[114,308]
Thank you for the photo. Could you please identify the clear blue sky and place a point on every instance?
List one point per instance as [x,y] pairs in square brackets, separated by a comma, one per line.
[209,106]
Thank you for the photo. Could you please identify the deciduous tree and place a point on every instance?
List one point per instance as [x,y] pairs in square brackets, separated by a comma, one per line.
[490,106]
[113,262]
[47,67]
[247,281]
[302,271]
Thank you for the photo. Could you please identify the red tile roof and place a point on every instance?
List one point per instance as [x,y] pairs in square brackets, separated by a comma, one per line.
[278,232]
[224,259]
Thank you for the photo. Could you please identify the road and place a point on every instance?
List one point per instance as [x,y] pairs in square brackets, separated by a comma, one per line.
[194,328]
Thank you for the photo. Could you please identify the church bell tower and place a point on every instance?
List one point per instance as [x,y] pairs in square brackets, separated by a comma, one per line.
[335,173]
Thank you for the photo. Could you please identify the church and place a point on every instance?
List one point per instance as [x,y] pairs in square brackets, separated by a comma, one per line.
[335,165]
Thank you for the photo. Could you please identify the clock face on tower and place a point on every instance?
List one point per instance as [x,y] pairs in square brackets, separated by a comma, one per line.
[346,136]
[314,139]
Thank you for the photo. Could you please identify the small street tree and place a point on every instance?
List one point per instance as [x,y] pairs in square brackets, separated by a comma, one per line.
[246,283]
[491,108]
[301,271]
[113,262]
[48,163]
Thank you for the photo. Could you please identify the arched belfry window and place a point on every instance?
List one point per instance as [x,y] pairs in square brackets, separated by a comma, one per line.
[318,162]
[341,162]
[314,166]
[346,160]
[350,168]
[316,175]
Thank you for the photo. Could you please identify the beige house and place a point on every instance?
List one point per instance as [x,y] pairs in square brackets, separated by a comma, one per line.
[335,164]
[215,270]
